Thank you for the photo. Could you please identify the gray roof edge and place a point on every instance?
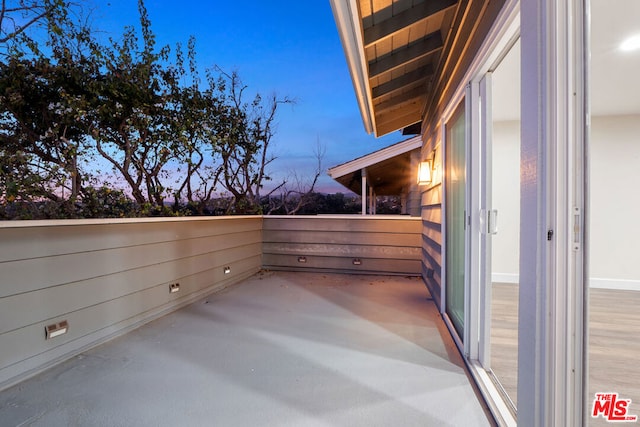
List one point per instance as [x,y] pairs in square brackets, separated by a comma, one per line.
[375,157]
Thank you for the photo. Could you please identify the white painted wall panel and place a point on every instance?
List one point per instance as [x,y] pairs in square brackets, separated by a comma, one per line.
[37,273]
[348,223]
[349,251]
[50,302]
[614,231]
[34,239]
[505,256]
[389,245]
[342,265]
[339,238]
[105,277]
[615,201]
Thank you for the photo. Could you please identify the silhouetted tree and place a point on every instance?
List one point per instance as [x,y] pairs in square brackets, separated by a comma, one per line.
[76,102]
[17,16]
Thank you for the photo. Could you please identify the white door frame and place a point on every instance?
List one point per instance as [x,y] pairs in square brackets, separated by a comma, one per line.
[498,41]
[551,315]
[552,327]
[485,204]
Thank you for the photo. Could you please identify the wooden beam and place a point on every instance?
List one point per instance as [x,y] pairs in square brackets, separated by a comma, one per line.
[396,123]
[413,77]
[400,100]
[414,15]
[412,52]
[407,110]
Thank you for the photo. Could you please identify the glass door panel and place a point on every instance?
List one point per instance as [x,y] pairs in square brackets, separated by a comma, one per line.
[455,195]
[613,205]
[502,195]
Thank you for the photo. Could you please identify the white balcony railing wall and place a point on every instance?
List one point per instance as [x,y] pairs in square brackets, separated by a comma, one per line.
[107,277]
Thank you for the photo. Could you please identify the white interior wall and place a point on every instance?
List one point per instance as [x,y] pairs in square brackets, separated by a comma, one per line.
[505,253]
[615,201]
[505,110]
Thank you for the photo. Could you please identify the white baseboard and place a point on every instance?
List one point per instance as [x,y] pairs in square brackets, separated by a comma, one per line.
[596,282]
[618,284]
[505,278]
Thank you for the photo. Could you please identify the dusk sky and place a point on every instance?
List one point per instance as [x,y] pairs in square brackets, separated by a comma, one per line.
[287,47]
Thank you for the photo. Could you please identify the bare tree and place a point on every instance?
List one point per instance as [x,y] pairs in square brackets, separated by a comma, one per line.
[16,16]
[296,193]
[130,116]
[243,139]
[156,127]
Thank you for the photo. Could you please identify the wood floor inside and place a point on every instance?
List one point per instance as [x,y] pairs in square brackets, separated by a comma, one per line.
[613,343]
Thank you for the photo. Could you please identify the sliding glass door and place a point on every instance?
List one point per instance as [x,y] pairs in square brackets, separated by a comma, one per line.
[481,147]
[455,196]
[501,149]
[614,230]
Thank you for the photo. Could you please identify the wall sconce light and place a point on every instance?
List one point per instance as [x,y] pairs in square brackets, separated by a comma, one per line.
[425,170]
[57,329]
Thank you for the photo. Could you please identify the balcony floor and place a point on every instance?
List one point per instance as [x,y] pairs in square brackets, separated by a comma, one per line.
[277,349]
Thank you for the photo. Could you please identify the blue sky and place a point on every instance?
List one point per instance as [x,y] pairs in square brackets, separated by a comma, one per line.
[287,47]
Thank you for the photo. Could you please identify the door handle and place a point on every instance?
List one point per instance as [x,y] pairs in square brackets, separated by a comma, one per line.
[492,221]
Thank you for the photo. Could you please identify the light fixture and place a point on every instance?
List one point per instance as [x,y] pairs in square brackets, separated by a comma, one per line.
[630,44]
[425,170]
[55,330]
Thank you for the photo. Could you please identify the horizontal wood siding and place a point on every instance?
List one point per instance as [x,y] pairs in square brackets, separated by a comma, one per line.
[414,196]
[383,245]
[107,277]
[414,199]
[432,236]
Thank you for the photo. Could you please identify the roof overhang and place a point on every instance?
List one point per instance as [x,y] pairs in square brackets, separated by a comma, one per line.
[388,170]
[407,56]
[393,49]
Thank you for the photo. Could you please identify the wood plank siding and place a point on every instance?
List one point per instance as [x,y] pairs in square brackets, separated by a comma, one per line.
[383,245]
[432,240]
[107,277]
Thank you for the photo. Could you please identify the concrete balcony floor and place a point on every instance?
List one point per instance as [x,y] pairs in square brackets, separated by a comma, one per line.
[281,348]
